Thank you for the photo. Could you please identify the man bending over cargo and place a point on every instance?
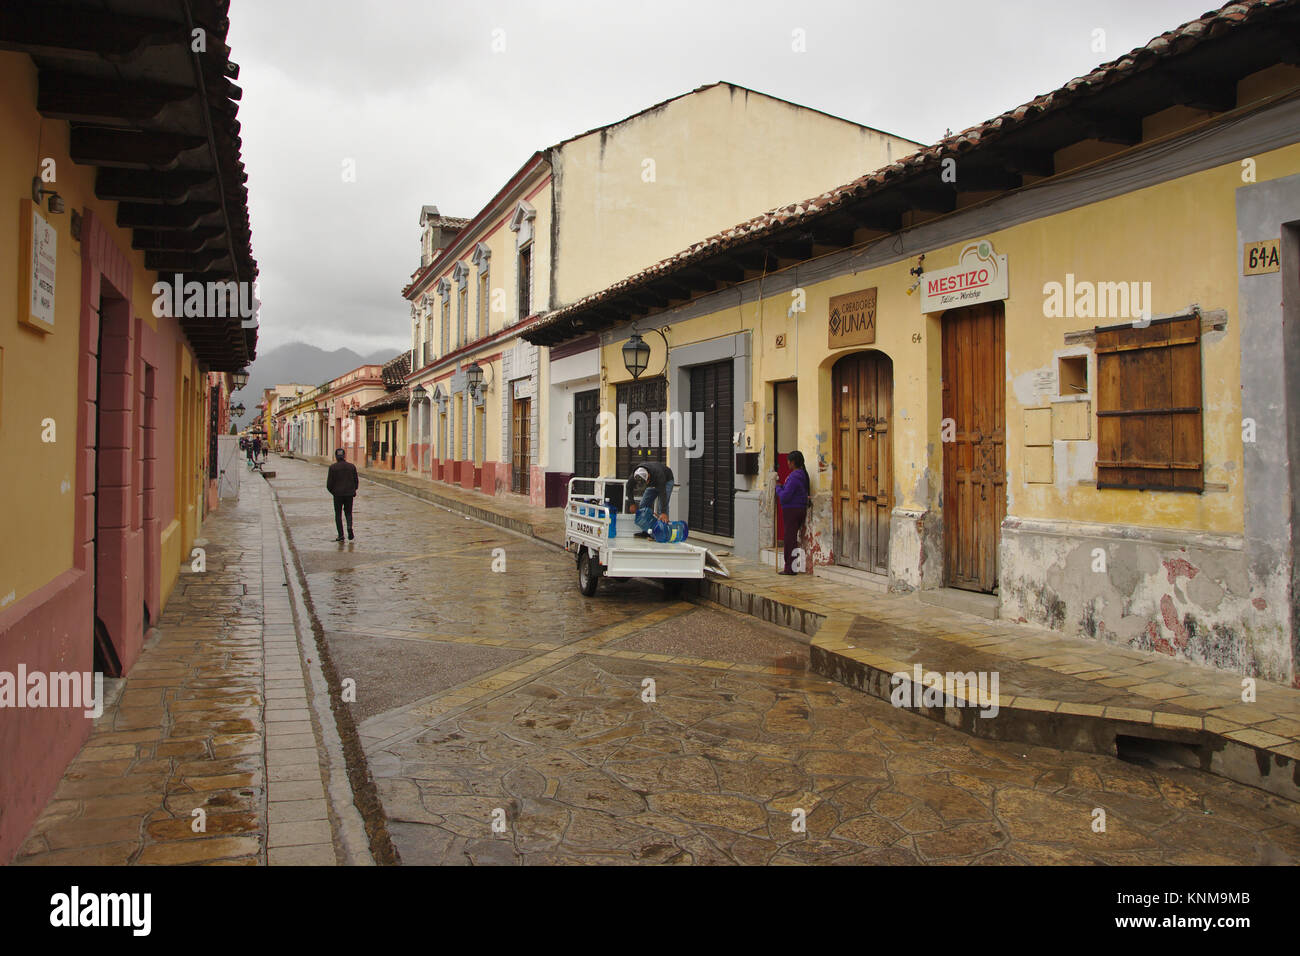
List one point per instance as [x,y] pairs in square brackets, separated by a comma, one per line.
[658,480]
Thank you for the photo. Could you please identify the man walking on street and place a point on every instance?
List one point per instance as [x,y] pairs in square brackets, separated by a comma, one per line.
[342,484]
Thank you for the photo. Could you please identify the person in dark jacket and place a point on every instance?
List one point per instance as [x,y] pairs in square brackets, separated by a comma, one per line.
[659,485]
[342,483]
[792,494]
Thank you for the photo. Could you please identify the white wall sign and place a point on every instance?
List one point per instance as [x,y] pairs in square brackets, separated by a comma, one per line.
[41,269]
[979,276]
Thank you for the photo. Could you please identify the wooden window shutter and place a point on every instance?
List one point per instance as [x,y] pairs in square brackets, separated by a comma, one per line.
[1149,415]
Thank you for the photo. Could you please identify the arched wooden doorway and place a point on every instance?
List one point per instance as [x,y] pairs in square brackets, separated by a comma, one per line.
[863,397]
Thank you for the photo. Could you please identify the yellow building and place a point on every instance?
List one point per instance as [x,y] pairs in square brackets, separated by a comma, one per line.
[384,418]
[1039,369]
[111,397]
[489,410]
[301,422]
[280,397]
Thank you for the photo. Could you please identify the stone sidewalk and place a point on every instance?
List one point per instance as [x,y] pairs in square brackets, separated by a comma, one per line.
[1054,689]
[212,749]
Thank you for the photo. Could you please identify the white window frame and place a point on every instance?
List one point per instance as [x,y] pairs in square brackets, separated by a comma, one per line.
[483,313]
[521,224]
[444,292]
[461,275]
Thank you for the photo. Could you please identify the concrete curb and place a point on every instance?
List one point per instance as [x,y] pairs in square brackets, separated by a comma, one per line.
[353,842]
[1061,725]
[799,619]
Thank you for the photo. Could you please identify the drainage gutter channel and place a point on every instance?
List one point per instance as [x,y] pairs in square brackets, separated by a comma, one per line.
[361,824]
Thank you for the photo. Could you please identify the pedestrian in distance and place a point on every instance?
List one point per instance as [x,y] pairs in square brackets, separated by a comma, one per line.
[658,480]
[342,483]
[792,494]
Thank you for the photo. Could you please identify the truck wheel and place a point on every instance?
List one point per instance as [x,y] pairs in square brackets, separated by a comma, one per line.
[588,573]
[673,588]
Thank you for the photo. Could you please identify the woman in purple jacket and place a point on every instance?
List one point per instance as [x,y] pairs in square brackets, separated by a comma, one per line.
[792,494]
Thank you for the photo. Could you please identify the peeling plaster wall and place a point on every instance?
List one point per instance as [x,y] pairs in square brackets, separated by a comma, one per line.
[766,504]
[915,550]
[1187,595]
[818,538]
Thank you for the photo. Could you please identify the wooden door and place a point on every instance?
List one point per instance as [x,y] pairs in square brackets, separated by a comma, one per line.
[863,386]
[649,397]
[586,431]
[712,474]
[974,445]
[520,434]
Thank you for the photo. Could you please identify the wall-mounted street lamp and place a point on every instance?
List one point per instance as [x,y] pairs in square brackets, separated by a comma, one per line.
[474,378]
[239,380]
[636,353]
[38,192]
[237,410]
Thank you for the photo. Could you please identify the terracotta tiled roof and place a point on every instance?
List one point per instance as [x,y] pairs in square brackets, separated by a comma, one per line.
[396,369]
[397,399]
[1180,40]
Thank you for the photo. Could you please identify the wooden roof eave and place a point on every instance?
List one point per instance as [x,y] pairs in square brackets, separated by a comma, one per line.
[157,120]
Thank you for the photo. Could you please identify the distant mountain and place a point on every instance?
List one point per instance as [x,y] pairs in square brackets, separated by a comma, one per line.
[301,363]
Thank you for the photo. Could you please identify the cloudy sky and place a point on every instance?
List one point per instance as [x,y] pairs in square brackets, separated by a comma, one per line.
[439,102]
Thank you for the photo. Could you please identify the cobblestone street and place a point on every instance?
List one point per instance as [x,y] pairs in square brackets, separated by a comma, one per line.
[507,719]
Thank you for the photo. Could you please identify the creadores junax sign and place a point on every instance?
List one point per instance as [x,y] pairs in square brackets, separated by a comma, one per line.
[979,276]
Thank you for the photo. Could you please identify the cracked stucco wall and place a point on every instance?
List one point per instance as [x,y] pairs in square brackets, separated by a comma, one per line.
[1189,596]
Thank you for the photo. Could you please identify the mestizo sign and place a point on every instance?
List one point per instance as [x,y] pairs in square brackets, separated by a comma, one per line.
[852,319]
[979,276]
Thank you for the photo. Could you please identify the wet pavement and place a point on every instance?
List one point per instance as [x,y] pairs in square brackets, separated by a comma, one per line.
[507,719]
[174,771]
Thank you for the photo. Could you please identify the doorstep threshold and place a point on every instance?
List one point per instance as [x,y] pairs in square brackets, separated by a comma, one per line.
[968,602]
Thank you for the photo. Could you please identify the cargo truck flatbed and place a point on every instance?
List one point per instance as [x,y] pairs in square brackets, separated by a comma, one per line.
[586,535]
